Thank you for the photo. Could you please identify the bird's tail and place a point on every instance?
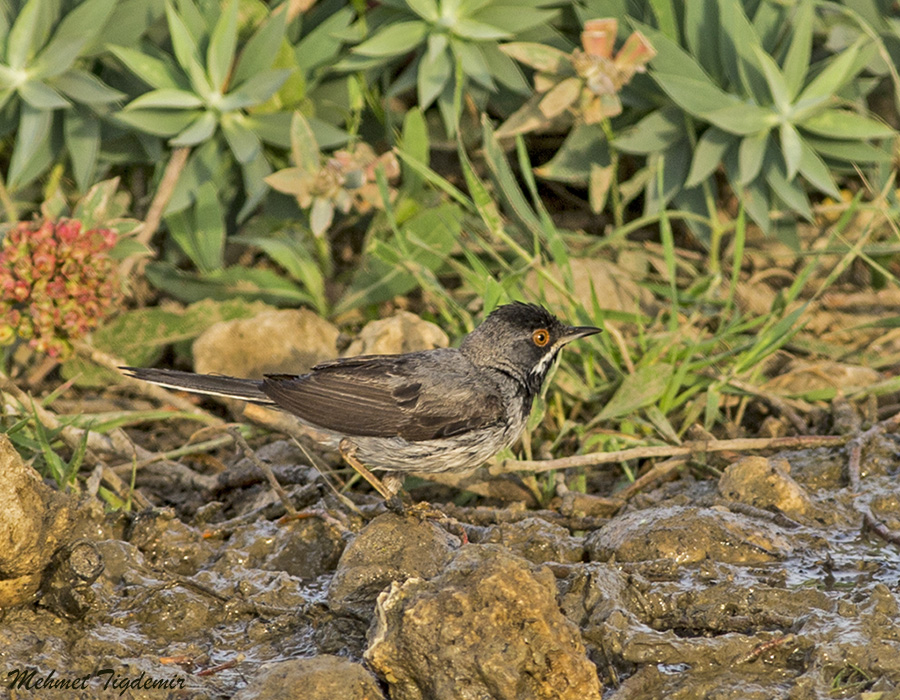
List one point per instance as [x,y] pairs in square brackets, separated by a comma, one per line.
[209,384]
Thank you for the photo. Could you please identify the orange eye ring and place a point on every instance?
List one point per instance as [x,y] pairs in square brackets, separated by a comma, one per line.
[540,337]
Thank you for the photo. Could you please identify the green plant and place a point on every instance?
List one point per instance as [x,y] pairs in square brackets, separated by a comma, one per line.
[320,185]
[425,41]
[223,96]
[50,100]
[846,21]
[768,115]
[760,104]
[343,181]
[583,84]
[64,473]
[34,441]
[410,243]
[410,229]
[207,89]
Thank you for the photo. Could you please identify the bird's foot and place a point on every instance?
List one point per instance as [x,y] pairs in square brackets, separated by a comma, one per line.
[425,511]
[395,505]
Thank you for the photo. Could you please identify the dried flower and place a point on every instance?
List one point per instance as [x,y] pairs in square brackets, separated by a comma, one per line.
[345,181]
[57,283]
[605,75]
[584,84]
[341,182]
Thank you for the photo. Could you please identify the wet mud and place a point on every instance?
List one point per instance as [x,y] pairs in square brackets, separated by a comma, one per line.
[764,583]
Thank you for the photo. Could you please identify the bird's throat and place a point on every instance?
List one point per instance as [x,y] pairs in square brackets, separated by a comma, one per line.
[538,373]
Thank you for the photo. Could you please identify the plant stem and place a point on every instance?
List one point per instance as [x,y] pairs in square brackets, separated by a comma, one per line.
[9,206]
[687,449]
[164,193]
[618,213]
[715,250]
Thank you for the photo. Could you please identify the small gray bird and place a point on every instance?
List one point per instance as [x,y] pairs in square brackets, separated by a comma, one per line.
[443,410]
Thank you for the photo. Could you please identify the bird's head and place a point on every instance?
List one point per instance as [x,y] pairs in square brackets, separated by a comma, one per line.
[522,340]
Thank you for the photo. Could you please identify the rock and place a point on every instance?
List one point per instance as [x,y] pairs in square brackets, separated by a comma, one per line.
[802,376]
[169,543]
[18,590]
[402,332]
[304,548]
[175,613]
[615,287]
[580,505]
[34,521]
[66,583]
[685,535]
[596,589]
[390,548]
[765,483]
[122,560]
[488,626]
[536,540]
[289,340]
[319,678]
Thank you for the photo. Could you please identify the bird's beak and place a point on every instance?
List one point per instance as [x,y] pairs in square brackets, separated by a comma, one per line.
[576,332]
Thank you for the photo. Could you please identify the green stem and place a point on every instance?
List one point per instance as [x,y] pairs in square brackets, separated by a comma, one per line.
[9,206]
[177,160]
[715,250]
[618,213]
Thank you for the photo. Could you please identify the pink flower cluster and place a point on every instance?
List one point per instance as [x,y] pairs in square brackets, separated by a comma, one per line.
[57,283]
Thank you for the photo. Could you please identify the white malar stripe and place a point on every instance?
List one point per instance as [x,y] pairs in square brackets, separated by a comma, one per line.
[544,363]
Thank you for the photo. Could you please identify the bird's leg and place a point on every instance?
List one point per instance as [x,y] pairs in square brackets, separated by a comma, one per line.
[393,482]
[390,489]
[348,452]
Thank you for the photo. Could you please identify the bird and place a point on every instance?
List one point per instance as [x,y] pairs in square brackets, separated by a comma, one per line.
[429,411]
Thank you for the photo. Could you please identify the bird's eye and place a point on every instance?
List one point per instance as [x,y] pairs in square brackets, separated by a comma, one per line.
[541,337]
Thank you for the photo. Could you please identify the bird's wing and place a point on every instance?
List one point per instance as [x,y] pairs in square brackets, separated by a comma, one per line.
[419,396]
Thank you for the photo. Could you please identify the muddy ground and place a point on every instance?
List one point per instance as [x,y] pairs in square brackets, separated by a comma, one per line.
[763,583]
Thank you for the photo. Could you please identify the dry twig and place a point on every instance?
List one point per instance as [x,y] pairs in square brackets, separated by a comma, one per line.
[856,446]
[687,449]
[265,469]
[483,515]
[164,193]
[657,473]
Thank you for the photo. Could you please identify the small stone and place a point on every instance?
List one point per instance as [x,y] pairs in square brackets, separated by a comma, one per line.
[684,535]
[390,548]
[34,521]
[304,548]
[402,332]
[288,341]
[322,677]
[171,544]
[536,540]
[765,483]
[488,626]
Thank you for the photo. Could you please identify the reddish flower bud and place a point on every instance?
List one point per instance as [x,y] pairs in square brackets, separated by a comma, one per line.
[62,276]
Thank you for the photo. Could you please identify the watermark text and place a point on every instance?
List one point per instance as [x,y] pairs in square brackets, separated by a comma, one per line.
[105,678]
